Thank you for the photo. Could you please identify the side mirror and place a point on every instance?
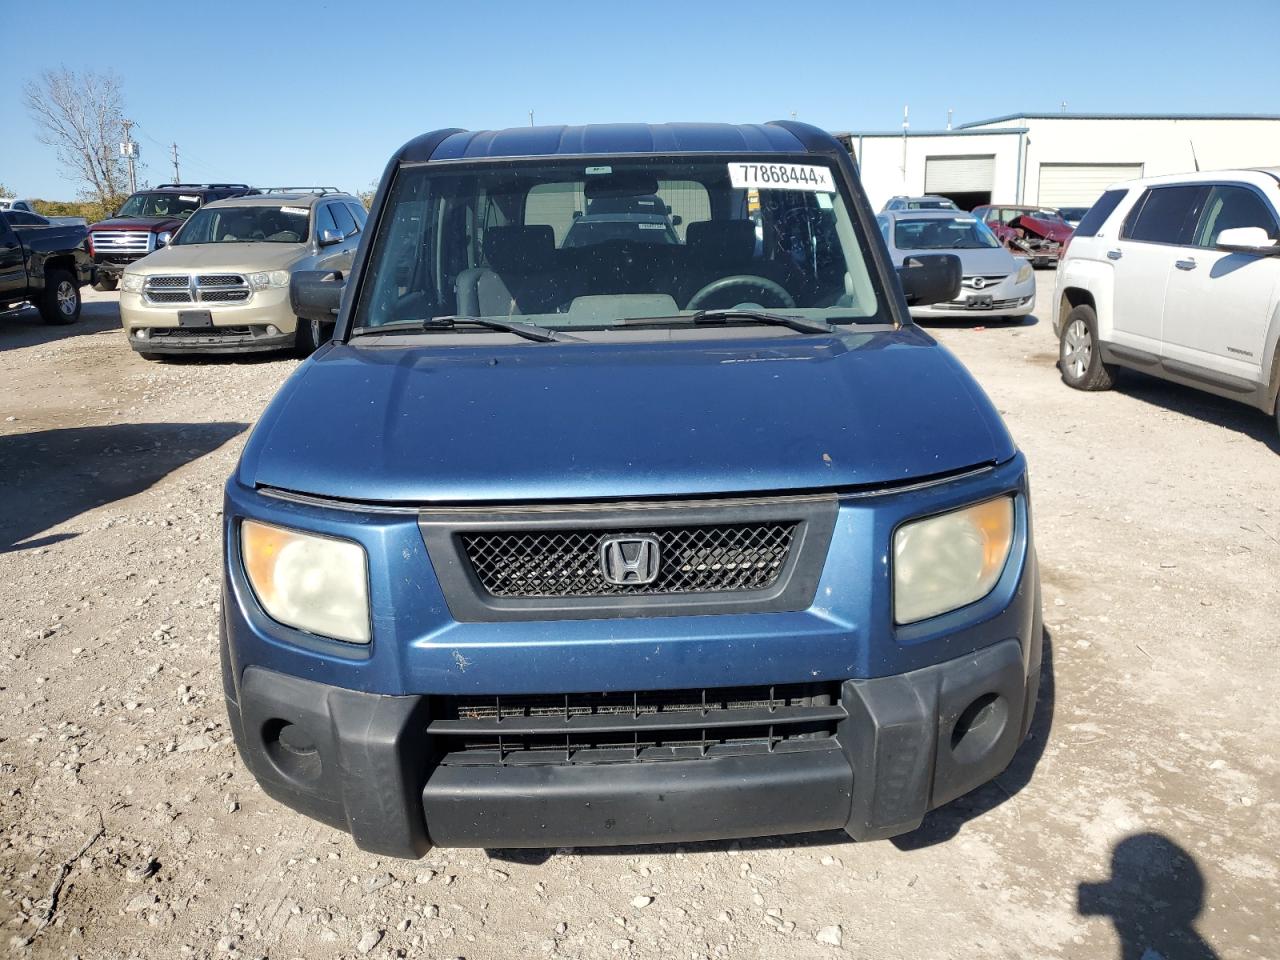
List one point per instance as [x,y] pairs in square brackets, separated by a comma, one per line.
[1252,240]
[676,219]
[329,237]
[930,278]
[316,294]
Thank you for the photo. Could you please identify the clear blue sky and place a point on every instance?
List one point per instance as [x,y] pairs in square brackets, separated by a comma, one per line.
[272,92]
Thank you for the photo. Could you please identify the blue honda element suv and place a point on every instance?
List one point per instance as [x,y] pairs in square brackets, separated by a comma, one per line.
[670,526]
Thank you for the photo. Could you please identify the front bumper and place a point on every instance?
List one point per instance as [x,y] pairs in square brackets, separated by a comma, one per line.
[1008,298]
[237,327]
[920,713]
[908,744]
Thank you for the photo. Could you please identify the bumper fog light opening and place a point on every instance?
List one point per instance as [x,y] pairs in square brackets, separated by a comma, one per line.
[979,727]
[292,751]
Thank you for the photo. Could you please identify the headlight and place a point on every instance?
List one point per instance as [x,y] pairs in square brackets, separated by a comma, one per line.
[163,238]
[276,278]
[132,283]
[1024,273]
[314,583]
[951,560]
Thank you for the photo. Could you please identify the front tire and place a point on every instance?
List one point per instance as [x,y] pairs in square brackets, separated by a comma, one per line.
[311,336]
[106,282]
[60,302]
[1079,357]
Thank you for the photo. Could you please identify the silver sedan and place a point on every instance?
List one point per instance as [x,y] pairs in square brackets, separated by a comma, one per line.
[995,282]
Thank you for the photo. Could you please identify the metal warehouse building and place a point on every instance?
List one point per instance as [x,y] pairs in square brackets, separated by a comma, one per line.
[1056,159]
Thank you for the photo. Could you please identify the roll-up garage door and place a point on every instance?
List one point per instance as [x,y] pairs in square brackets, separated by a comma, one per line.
[959,174]
[1079,184]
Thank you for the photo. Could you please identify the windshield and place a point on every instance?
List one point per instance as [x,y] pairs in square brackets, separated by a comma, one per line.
[180,205]
[255,224]
[930,205]
[1043,214]
[940,233]
[577,244]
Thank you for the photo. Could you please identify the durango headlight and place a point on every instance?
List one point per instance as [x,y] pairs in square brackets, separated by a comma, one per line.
[276,278]
[131,283]
[314,583]
[1024,273]
[951,560]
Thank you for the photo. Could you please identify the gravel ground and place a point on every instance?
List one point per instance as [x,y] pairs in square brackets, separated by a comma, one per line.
[1142,814]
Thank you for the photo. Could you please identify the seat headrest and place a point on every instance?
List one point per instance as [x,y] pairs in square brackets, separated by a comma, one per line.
[722,239]
[525,249]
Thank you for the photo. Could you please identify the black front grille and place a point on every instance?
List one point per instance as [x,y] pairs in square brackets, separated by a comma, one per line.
[220,279]
[692,559]
[171,281]
[632,726]
[200,332]
[224,296]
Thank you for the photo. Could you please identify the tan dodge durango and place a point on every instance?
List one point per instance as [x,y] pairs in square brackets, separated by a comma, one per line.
[222,283]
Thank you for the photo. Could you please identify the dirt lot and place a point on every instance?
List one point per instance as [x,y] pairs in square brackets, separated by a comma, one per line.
[1142,815]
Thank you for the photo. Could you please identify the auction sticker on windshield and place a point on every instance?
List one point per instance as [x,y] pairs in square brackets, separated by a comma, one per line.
[780,176]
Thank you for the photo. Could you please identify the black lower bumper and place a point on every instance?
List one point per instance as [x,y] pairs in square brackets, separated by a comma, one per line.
[363,763]
[196,341]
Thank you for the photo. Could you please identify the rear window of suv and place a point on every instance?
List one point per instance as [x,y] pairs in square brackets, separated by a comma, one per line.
[1165,214]
[1097,215]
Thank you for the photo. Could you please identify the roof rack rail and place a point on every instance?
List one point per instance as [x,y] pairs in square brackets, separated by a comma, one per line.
[200,186]
[319,191]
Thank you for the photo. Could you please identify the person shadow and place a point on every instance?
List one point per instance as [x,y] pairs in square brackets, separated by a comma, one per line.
[1153,897]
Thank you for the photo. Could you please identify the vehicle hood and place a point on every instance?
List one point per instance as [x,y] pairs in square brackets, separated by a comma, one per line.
[244,257]
[418,424]
[1047,228]
[152,224]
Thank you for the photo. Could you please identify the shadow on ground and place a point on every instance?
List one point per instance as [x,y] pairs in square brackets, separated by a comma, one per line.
[1219,411]
[938,827]
[52,476]
[1153,897]
[978,321]
[22,327]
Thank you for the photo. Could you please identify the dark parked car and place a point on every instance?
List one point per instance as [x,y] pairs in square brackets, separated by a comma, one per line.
[1038,233]
[43,264]
[145,223]
[627,542]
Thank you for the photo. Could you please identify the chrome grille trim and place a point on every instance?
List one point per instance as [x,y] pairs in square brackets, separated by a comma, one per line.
[123,241]
[210,288]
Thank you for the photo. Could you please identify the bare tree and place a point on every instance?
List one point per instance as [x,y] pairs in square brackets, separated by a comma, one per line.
[79,115]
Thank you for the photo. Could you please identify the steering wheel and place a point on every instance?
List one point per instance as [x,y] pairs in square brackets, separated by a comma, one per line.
[748,283]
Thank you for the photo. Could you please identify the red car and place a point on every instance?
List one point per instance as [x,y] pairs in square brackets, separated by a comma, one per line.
[1038,233]
[146,222]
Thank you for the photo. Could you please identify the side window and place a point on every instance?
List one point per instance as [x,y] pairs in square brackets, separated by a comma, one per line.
[358,211]
[1229,207]
[342,216]
[1165,215]
[1106,205]
[883,223]
[325,221]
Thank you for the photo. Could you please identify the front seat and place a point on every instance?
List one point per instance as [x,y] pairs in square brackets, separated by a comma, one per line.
[516,277]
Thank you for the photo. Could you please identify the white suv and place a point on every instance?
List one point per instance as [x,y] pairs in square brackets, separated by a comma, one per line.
[1178,277]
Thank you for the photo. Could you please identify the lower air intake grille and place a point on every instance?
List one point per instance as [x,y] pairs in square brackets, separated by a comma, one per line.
[691,559]
[635,726]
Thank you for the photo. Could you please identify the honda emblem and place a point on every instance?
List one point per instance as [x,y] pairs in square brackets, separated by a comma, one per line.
[629,561]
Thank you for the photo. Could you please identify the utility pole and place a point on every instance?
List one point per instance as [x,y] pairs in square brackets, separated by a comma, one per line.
[177,177]
[948,118]
[531,118]
[129,150]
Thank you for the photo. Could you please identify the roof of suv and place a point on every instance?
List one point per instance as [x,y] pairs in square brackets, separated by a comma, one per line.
[1199,176]
[277,199]
[612,138]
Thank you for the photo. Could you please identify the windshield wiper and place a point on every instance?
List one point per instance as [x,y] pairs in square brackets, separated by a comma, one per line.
[709,317]
[530,331]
